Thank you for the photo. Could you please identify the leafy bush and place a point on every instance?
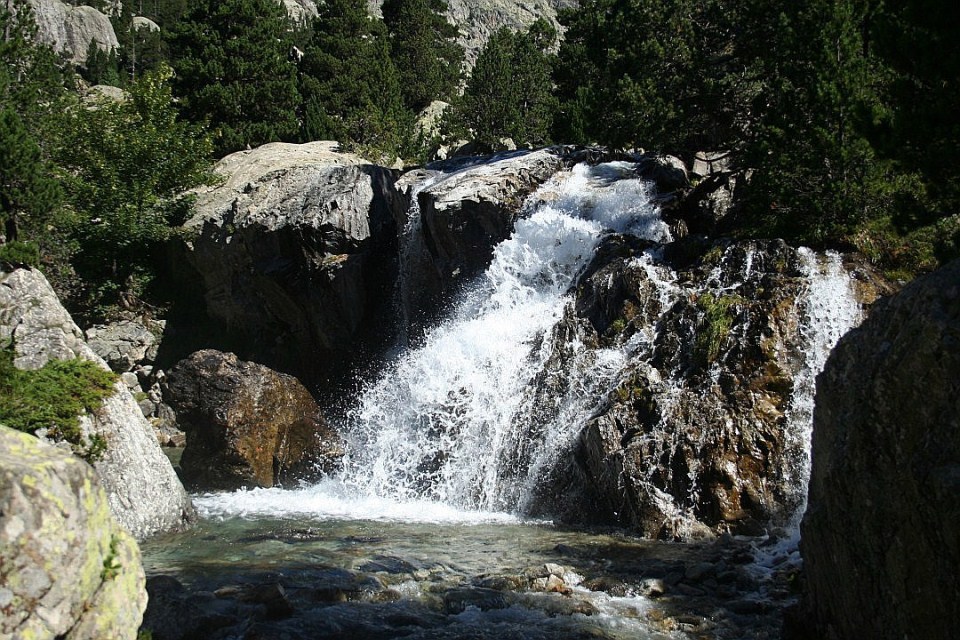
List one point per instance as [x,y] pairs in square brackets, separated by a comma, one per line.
[27,253]
[714,326]
[53,398]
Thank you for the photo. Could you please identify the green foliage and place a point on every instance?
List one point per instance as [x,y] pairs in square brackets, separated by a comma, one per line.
[350,87]
[141,50]
[111,565]
[31,81]
[126,166]
[53,398]
[102,67]
[20,253]
[234,71]
[423,47]
[716,319]
[509,93]
[657,73]
[28,192]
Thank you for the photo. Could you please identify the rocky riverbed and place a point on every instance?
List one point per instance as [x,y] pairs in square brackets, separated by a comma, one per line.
[461,576]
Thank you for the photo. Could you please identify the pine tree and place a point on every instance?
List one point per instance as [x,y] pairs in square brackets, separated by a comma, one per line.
[31,94]
[509,92]
[664,74]
[28,191]
[233,70]
[424,49]
[350,87]
[817,178]
[127,165]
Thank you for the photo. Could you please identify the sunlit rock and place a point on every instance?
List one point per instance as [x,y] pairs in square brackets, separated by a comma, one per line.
[69,570]
[144,492]
[293,255]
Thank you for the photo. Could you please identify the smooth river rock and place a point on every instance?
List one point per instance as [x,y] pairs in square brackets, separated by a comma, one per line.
[67,569]
[881,534]
[144,492]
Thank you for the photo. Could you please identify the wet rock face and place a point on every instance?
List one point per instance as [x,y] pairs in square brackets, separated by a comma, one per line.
[246,424]
[142,488]
[692,440]
[293,253]
[464,216]
[68,569]
[881,535]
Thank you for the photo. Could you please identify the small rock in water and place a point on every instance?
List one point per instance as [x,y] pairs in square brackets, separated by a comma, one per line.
[652,588]
[606,584]
[457,600]
[273,597]
[504,583]
[388,564]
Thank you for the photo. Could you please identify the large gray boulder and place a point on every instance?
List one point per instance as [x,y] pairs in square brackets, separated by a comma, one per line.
[293,252]
[881,535]
[124,344]
[71,29]
[144,493]
[67,569]
[247,425]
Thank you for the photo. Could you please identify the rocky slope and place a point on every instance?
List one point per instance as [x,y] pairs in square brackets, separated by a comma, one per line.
[881,535]
[145,494]
[67,569]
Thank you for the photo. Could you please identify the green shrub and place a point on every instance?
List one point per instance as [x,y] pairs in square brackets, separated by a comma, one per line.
[714,326]
[18,253]
[53,398]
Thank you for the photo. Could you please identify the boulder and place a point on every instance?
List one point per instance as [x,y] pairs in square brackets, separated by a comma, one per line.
[125,344]
[881,534]
[71,29]
[695,437]
[144,493]
[139,22]
[246,425]
[294,255]
[67,569]
[465,214]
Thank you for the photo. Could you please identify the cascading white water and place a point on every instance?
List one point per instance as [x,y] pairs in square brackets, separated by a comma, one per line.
[440,422]
[829,310]
[455,426]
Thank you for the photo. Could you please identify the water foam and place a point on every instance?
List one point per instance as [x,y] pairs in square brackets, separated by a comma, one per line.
[439,424]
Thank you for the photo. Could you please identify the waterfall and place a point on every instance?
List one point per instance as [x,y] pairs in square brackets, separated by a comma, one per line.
[439,423]
[470,420]
[829,309]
